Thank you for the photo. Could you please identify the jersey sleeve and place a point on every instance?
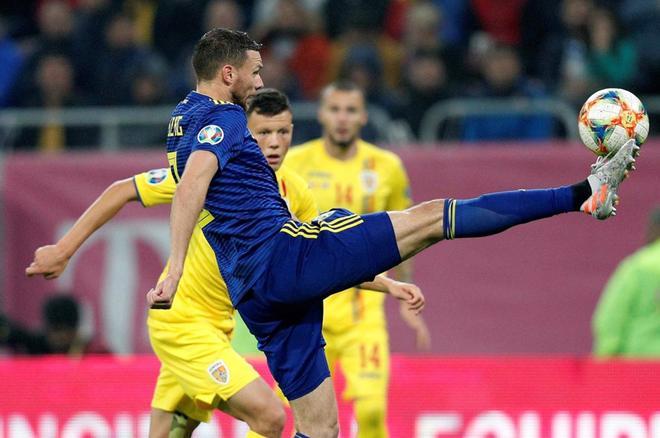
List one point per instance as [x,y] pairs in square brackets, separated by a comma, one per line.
[400,197]
[613,312]
[221,132]
[308,209]
[155,187]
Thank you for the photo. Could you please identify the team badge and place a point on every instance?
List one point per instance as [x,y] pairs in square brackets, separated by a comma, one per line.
[324,216]
[369,180]
[211,134]
[219,372]
[156,176]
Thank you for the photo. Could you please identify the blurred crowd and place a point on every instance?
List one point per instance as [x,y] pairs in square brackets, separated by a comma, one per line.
[406,54]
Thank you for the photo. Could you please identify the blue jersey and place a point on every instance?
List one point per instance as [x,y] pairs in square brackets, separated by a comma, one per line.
[244,209]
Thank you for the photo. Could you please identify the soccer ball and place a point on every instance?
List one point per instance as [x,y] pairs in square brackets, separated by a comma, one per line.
[611,117]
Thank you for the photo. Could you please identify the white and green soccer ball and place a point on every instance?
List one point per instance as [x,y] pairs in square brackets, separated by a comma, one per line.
[611,117]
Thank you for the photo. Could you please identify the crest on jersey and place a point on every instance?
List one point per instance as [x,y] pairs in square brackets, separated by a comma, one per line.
[156,176]
[219,372]
[369,180]
[324,216]
[211,134]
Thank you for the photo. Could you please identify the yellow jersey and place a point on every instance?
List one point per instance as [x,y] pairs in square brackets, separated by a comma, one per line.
[202,292]
[372,180]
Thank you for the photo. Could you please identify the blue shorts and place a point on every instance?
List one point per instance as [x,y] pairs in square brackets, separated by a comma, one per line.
[309,262]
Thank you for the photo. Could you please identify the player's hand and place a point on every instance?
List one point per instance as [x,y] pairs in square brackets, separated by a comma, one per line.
[49,261]
[162,295]
[408,293]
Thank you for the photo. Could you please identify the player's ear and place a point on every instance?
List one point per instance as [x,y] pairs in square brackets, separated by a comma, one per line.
[365,117]
[227,74]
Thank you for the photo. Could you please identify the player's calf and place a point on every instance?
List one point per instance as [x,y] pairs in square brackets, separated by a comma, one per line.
[370,414]
[424,224]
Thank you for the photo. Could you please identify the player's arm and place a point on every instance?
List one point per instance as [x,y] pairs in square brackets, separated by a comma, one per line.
[409,294]
[188,202]
[51,260]
[614,310]
[400,199]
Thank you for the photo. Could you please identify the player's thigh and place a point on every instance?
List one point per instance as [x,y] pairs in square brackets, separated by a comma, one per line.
[316,412]
[365,361]
[291,339]
[170,397]
[254,402]
[201,359]
[335,253]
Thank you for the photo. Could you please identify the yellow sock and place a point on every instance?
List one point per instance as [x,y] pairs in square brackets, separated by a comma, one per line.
[178,428]
[251,434]
[370,414]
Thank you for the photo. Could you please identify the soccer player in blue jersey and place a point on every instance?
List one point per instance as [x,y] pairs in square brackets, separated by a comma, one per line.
[278,270]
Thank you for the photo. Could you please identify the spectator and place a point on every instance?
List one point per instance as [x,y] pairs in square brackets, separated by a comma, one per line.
[359,32]
[539,21]
[500,19]
[502,77]
[56,22]
[143,13]
[340,15]
[563,60]
[642,19]
[425,83]
[55,19]
[112,72]
[20,16]
[10,67]
[148,88]
[612,60]
[292,35]
[54,89]
[60,335]
[455,15]
[364,68]
[626,322]
[223,13]
[91,20]
[423,30]
[177,26]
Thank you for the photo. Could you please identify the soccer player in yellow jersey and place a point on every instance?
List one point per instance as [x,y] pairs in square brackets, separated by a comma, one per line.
[345,171]
[270,120]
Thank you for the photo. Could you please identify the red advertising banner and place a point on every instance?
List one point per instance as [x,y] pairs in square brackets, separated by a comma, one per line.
[529,290]
[429,398]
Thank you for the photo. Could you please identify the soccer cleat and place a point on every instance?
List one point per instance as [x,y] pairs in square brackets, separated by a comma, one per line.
[606,176]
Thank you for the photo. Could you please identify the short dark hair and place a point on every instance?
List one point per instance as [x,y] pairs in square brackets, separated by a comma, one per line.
[342,85]
[218,47]
[268,102]
[62,311]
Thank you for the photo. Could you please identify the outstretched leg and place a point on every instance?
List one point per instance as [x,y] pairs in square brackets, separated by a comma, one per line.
[425,224]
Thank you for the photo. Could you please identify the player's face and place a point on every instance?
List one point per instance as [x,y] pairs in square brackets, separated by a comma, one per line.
[248,78]
[342,115]
[273,133]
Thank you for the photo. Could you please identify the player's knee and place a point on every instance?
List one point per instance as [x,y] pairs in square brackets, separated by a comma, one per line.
[270,421]
[370,417]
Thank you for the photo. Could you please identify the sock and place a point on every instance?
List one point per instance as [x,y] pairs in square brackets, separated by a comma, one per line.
[370,415]
[495,212]
[251,434]
[300,435]
[178,427]
[582,191]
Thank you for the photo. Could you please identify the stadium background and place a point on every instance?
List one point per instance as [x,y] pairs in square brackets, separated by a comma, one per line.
[85,89]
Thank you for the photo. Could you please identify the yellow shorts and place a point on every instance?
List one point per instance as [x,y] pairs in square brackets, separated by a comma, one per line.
[199,367]
[364,356]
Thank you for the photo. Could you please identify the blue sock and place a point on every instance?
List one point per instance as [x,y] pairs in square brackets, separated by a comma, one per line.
[495,212]
[300,435]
